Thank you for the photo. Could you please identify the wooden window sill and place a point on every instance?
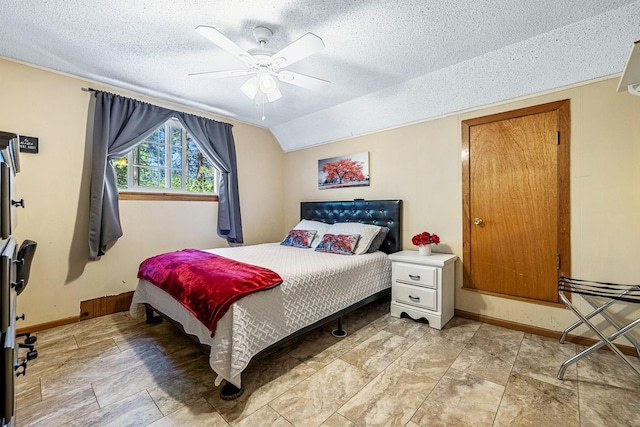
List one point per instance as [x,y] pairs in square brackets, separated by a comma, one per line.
[143,195]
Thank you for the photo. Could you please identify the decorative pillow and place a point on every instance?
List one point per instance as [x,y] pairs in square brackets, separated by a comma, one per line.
[320,227]
[299,238]
[343,244]
[377,241]
[367,233]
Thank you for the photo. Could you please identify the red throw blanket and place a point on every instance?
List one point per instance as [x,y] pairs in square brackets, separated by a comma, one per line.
[204,283]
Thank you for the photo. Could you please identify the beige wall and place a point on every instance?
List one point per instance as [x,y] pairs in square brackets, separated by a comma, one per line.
[421,164]
[54,184]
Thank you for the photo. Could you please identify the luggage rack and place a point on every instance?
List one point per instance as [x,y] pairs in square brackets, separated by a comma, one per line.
[610,293]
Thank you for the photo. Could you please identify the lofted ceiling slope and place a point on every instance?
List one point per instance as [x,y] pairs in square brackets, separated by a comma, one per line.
[390,62]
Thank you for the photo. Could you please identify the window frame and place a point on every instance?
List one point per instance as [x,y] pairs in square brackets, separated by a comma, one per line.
[150,193]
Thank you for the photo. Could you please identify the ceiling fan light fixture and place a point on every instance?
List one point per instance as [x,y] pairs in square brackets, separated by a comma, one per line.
[274,96]
[262,98]
[250,87]
[267,82]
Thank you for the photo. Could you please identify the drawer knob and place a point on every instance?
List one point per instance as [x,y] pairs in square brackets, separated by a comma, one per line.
[414,277]
[414,299]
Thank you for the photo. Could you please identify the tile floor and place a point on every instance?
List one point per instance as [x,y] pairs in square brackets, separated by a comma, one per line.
[118,371]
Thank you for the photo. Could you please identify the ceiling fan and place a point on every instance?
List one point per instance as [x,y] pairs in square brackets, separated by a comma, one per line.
[265,65]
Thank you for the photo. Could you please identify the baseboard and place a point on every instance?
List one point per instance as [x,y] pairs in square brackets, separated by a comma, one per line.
[105,305]
[626,349]
[88,309]
[47,325]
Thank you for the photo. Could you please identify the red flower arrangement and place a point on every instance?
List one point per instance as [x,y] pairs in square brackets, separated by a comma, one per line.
[425,238]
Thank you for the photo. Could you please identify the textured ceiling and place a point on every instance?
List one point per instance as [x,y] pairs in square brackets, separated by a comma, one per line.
[389,62]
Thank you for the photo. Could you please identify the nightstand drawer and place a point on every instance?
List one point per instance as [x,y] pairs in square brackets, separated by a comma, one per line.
[415,295]
[421,275]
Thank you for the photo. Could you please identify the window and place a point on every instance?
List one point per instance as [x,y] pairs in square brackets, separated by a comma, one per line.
[167,161]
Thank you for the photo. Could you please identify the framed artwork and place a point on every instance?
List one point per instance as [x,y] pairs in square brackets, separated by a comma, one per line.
[344,171]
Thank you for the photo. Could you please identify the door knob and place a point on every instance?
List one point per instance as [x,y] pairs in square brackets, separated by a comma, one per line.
[478,221]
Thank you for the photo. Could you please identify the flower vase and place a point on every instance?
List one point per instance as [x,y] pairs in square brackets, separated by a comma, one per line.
[424,250]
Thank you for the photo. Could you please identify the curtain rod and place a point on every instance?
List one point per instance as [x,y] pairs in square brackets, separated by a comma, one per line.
[90,89]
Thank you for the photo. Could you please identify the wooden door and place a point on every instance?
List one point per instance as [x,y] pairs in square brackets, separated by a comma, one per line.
[516,221]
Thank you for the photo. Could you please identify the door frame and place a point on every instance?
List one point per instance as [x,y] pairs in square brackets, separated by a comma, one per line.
[563,185]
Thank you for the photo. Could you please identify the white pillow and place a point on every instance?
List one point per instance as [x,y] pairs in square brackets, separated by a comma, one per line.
[320,227]
[367,233]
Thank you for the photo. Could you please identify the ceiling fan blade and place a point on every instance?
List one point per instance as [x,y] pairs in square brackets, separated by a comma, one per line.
[302,80]
[305,46]
[225,43]
[220,74]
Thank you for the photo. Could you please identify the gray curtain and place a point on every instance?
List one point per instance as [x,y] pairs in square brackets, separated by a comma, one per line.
[122,123]
[215,140]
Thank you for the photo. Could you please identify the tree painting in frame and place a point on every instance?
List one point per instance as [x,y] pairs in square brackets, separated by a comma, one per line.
[344,171]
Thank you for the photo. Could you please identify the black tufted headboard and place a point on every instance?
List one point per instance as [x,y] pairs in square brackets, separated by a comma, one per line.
[376,212]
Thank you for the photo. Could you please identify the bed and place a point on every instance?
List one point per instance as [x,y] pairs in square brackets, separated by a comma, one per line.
[316,288]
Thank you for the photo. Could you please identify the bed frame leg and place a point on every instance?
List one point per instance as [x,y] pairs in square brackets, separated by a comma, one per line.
[339,333]
[230,392]
[152,319]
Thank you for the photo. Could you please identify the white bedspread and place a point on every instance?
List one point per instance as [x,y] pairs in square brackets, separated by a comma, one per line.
[315,285]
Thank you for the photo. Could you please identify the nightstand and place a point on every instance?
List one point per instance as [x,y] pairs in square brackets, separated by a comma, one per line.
[423,286]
